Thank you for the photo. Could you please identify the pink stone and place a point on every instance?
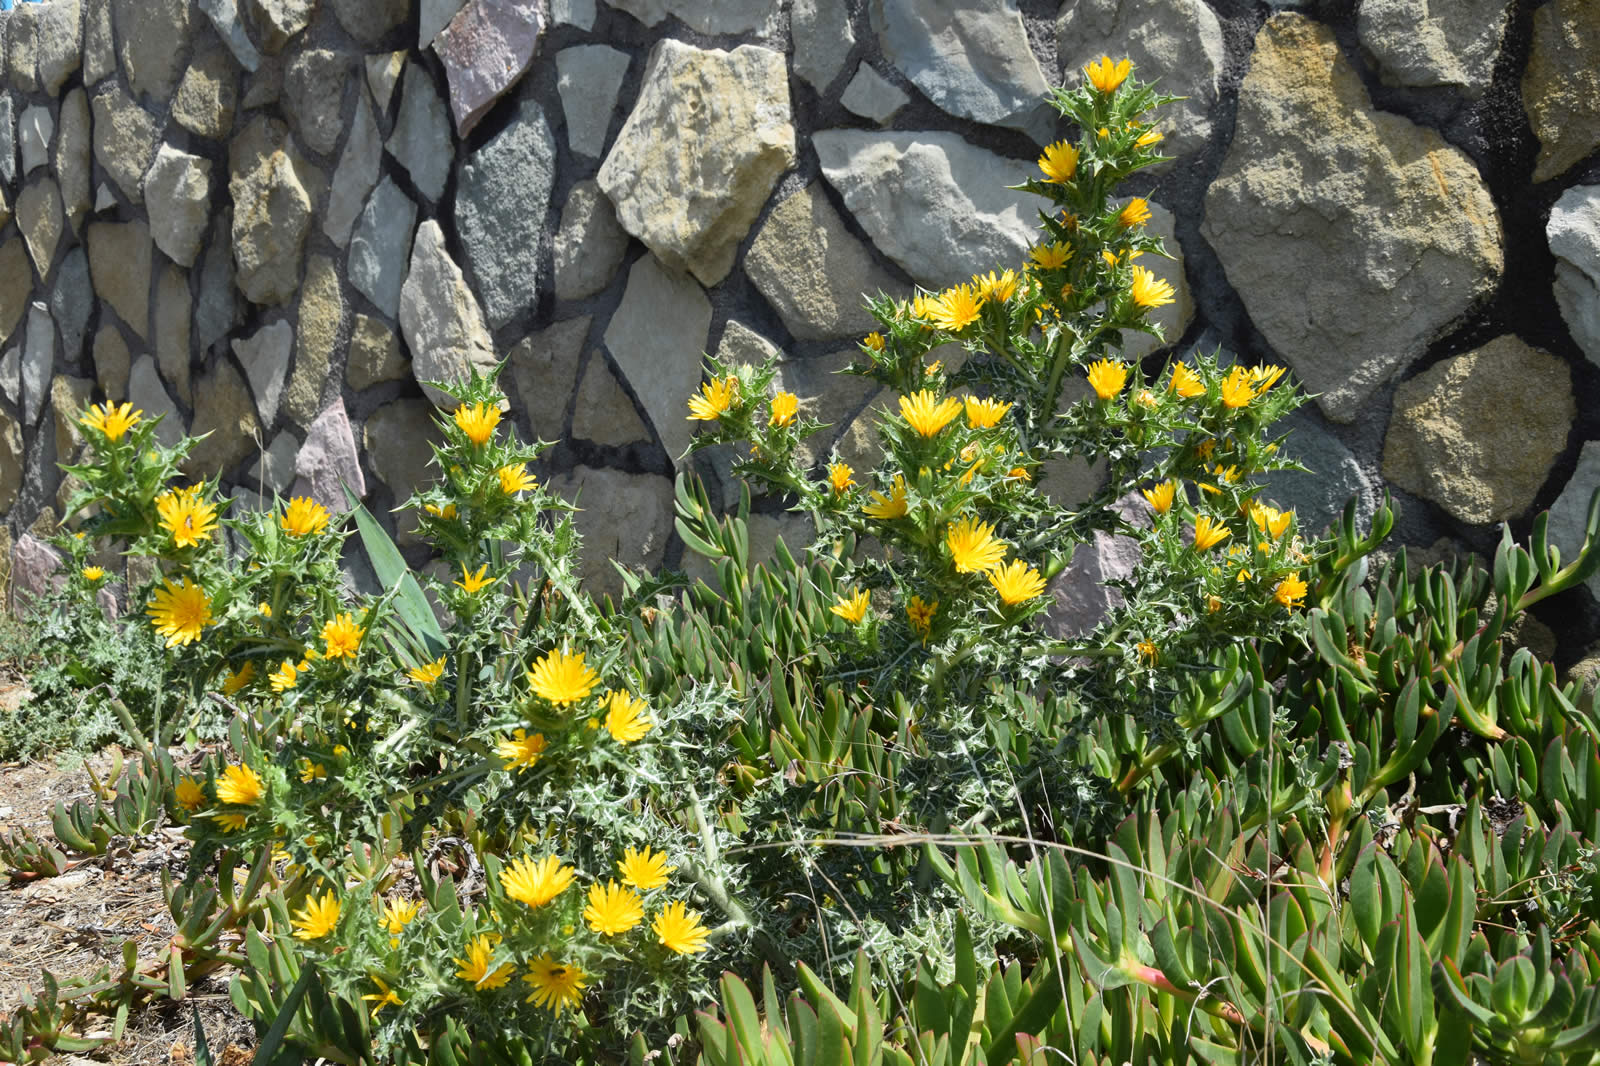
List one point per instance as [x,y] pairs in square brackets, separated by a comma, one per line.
[328,461]
[485,49]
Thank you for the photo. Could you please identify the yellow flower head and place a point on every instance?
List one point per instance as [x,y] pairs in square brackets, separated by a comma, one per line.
[1291,591]
[520,751]
[1208,533]
[286,676]
[477,422]
[926,415]
[1106,75]
[1239,388]
[312,771]
[852,608]
[1135,213]
[1050,256]
[784,406]
[231,822]
[514,478]
[555,984]
[110,419]
[1000,289]
[1185,382]
[1016,583]
[1270,520]
[190,793]
[839,476]
[612,909]
[985,414]
[643,869]
[476,968]
[427,673]
[187,517]
[1161,496]
[303,515]
[626,717]
[1107,378]
[535,882]
[93,574]
[919,613]
[447,512]
[239,678]
[265,608]
[714,400]
[240,786]
[562,678]
[1150,291]
[1146,398]
[957,308]
[894,505]
[180,612]
[1059,162]
[342,637]
[383,997]
[1264,377]
[973,546]
[922,305]
[1148,652]
[874,341]
[1147,138]
[679,930]
[397,914]
[471,583]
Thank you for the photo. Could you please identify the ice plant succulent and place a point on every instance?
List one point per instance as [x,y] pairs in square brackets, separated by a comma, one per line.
[180,612]
[185,516]
[535,882]
[478,422]
[303,516]
[926,415]
[110,419]
[973,546]
[562,678]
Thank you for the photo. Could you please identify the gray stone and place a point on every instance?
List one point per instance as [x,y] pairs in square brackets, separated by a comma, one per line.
[933,203]
[313,88]
[273,469]
[147,394]
[328,463]
[224,16]
[813,272]
[177,191]
[370,21]
[99,43]
[153,35]
[421,137]
[588,78]
[39,218]
[656,337]
[441,321]
[174,313]
[5,208]
[1081,592]
[33,568]
[278,20]
[119,264]
[374,355]
[104,199]
[720,17]
[1333,476]
[223,408]
[71,301]
[544,367]
[356,175]
[8,139]
[383,74]
[111,362]
[872,96]
[621,517]
[604,413]
[264,85]
[1477,434]
[1574,235]
[321,322]
[1432,43]
[10,461]
[379,246]
[271,212]
[11,375]
[502,197]
[824,391]
[21,29]
[485,50]
[589,245]
[723,116]
[265,358]
[124,139]
[207,95]
[823,38]
[16,282]
[1177,44]
[579,13]
[1311,164]
[1561,85]
[217,309]
[60,49]
[73,159]
[34,133]
[436,15]
[970,57]
[1570,513]
[399,437]
[38,356]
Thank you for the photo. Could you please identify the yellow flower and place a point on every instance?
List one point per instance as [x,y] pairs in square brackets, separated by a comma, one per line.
[1146,398]
[303,515]
[891,506]
[535,883]
[240,786]
[1213,605]
[342,637]
[317,918]
[1291,591]
[1161,496]
[625,717]
[1238,389]
[1265,377]
[922,305]
[1148,138]
[447,512]
[957,308]
[1136,213]
[562,678]
[784,406]
[985,414]
[874,340]
[239,678]
[520,751]
[1185,382]
[852,608]
[679,930]
[999,289]
[285,677]
[188,518]
[1106,75]
[265,608]
[397,914]
[1270,519]
[927,416]
[514,478]
[1107,377]
[612,909]
[555,984]
[973,546]
[92,574]
[475,968]
[839,476]
[644,870]
[472,583]
[180,612]
[1148,652]
[1016,583]
[1059,162]
[1150,291]
[231,822]
[477,422]
[919,613]
[1020,473]
[383,997]
[1208,533]
[191,796]
[1050,256]
[312,771]
[110,419]
[714,400]
[427,673]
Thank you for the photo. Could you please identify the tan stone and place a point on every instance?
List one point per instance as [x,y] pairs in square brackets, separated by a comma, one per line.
[125,138]
[39,218]
[544,367]
[604,413]
[111,363]
[173,316]
[223,408]
[69,397]
[10,461]
[208,95]
[321,316]
[399,439]
[1561,86]
[119,263]
[621,517]
[374,355]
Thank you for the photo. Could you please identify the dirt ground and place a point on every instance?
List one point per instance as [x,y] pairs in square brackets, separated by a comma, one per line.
[77,922]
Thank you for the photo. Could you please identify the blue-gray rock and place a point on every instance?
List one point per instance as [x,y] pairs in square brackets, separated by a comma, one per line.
[35,132]
[380,246]
[11,375]
[278,20]
[313,87]
[217,309]
[356,175]
[589,244]
[274,468]
[579,13]
[8,139]
[265,358]
[71,301]
[383,74]
[1423,43]
[485,50]
[707,16]
[970,57]
[177,191]
[369,21]
[111,362]
[1332,477]
[588,77]
[823,38]
[21,31]
[502,197]
[440,319]
[657,337]
[1574,235]
[872,96]
[1570,512]
[421,137]
[224,16]
[147,394]
[435,16]
[38,356]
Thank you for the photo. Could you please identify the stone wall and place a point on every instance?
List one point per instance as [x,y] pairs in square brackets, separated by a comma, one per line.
[271,218]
